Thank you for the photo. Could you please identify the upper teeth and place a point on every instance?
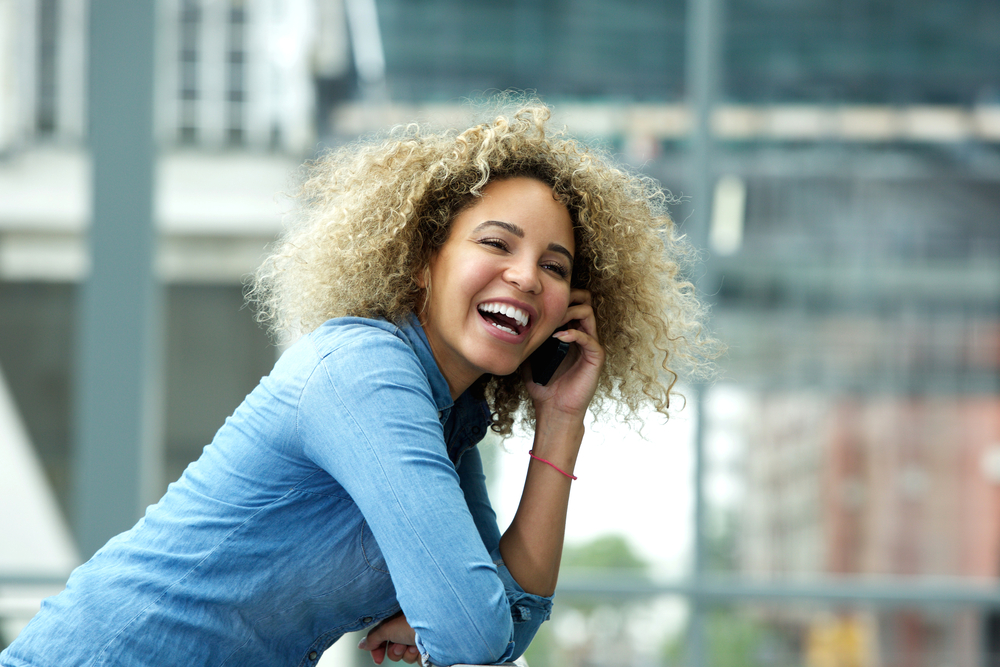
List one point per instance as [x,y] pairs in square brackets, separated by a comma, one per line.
[516,314]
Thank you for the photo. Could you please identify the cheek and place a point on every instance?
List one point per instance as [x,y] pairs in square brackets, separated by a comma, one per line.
[457,284]
[475,275]
[557,303]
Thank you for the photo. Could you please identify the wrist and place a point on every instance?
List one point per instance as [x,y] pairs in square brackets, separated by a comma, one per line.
[570,475]
[558,441]
[559,422]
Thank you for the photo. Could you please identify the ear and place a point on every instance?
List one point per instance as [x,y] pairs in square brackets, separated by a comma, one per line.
[423,280]
[422,277]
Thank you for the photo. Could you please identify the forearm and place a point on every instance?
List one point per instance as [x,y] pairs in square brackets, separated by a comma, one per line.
[532,546]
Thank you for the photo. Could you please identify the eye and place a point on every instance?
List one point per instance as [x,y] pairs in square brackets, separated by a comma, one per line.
[499,244]
[556,268]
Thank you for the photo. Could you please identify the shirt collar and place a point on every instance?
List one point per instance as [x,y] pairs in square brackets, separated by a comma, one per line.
[465,419]
[413,332]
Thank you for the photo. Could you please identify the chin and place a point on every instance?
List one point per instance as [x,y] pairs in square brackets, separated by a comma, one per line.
[502,372]
[500,368]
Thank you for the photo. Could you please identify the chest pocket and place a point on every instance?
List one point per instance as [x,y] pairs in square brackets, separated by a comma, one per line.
[370,550]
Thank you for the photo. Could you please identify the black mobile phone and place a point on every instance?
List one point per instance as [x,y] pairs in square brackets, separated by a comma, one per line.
[546,359]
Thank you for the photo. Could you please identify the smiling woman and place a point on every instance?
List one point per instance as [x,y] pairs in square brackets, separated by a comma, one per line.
[375,213]
[346,492]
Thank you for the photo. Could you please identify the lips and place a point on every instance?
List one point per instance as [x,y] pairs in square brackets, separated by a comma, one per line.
[505,317]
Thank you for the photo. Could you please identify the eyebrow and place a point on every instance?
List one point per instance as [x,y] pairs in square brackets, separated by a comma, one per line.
[519,233]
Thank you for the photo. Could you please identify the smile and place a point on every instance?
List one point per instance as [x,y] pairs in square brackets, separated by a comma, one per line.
[505,317]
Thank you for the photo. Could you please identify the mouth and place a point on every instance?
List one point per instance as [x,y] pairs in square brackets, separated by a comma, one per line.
[505,317]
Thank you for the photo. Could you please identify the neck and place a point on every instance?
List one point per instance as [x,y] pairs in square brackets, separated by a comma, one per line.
[458,379]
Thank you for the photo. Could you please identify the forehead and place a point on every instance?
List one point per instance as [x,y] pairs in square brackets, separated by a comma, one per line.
[526,202]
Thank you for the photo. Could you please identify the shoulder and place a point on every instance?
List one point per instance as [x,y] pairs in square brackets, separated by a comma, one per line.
[365,359]
[361,371]
[351,347]
[354,333]
[346,344]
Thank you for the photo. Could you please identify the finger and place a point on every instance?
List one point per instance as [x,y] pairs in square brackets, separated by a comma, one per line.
[396,651]
[375,637]
[406,653]
[590,348]
[385,631]
[580,296]
[584,315]
[588,352]
[373,643]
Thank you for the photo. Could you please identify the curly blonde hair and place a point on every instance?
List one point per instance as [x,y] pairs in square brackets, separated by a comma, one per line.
[372,215]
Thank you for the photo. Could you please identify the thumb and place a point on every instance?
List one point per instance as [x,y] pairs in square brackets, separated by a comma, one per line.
[375,645]
[373,639]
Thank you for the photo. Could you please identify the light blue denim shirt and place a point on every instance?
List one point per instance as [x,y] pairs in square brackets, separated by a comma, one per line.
[345,487]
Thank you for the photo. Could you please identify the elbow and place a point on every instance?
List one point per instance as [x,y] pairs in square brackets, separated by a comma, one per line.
[484,641]
[471,654]
[498,644]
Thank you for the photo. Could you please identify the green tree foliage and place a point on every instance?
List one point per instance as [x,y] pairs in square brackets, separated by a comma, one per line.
[609,552]
[734,639]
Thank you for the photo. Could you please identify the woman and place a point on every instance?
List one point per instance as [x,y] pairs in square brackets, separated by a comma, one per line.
[346,492]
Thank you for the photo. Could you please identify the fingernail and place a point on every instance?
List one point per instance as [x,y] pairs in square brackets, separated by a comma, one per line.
[363,643]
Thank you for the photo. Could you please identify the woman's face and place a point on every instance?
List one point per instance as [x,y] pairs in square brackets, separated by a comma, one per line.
[500,284]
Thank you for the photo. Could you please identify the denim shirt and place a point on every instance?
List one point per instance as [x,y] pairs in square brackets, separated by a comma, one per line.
[347,486]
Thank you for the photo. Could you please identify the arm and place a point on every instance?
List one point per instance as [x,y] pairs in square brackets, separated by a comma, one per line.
[367,416]
[532,545]
[390,638]
[528,611]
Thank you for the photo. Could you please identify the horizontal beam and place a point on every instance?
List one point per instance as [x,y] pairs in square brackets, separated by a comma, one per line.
[801,122]
[62,257]
[48,189]
[622,588]
[881,592]
[841,280]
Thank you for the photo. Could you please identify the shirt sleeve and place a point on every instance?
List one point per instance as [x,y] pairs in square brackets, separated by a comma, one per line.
[367,415]
[527,610]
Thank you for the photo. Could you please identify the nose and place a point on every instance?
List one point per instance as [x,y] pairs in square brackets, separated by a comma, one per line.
[524,277]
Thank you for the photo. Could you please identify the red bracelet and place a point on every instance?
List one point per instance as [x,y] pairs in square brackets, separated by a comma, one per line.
[531,453]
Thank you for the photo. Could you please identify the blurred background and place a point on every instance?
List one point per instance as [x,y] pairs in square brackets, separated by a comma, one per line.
[833,500]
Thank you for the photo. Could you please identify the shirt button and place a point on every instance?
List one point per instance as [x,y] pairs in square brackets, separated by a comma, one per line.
[367,619]
[313,655]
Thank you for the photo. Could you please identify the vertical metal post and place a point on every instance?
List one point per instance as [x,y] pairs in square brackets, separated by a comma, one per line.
[696,623]
[118,387]
[702,69]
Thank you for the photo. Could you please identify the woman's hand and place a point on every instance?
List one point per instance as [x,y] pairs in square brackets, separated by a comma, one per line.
[573,384]
[393,638]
